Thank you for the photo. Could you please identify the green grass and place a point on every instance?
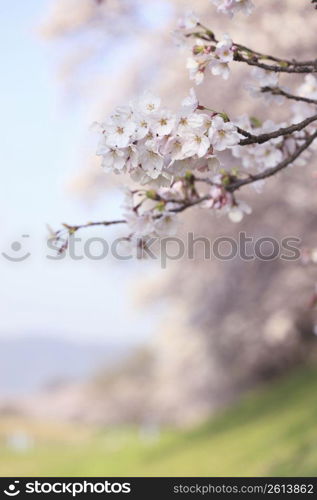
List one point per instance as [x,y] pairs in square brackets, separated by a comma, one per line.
[272,432]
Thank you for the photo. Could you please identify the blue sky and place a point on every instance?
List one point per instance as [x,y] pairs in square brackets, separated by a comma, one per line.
[39,153]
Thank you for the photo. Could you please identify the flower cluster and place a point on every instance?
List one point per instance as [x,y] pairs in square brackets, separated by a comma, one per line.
[259,156]
[264,79]
[156,221]
[154,213]
[153,145]
[214,57]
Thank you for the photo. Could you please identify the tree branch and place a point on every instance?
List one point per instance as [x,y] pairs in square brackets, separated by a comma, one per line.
[261,138]
[288,67]
[273,170]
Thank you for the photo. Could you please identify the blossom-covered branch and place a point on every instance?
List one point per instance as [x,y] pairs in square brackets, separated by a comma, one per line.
[179,159]
[209,52]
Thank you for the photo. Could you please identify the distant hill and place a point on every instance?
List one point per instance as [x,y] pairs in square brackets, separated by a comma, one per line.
[29,363]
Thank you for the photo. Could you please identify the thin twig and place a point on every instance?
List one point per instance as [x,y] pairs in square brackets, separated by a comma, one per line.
[278,91]
[72,229]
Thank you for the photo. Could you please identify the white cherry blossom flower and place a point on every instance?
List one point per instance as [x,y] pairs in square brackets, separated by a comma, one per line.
[188,121]
[191,101]
[219,68]
[164,179]
[151,162]
[114,159]
[119,131]
[174,149]
[246,155]
[189,21]
[142,125]
[180,167]
[133,157]
[163,123]
[148,103]
[224,50]
[196,143]
[223,134]
[174,192]
[196,69]
[123,113]
[267,155]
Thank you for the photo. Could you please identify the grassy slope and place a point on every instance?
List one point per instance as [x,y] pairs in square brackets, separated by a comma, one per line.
[273,432]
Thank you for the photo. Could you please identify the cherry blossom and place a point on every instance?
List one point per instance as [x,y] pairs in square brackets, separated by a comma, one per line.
[196,143]
[196,67]
[148,103]
[113,159]
[163,123]
[118,131]
[223,135]
[189,21]
[224,50]
[191,102]
[220,68]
